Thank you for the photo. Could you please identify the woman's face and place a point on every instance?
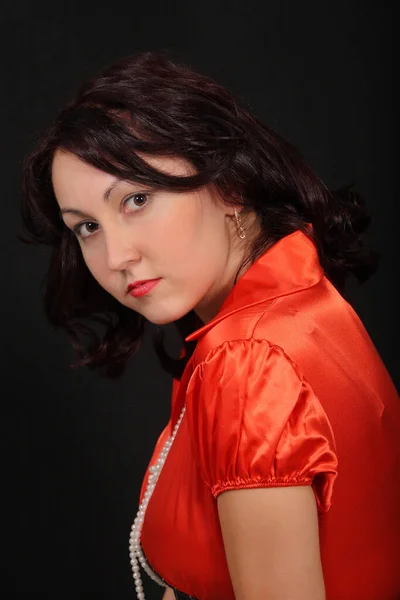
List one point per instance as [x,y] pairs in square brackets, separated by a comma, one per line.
[129,232]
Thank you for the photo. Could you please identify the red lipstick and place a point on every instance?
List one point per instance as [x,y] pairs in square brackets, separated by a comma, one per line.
[141,287]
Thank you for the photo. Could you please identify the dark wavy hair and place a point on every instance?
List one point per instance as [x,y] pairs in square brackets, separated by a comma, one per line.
[149,103]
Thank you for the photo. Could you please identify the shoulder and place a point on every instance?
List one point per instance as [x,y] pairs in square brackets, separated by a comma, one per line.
[273,321]
[255,420]
[245,379]
[243,359]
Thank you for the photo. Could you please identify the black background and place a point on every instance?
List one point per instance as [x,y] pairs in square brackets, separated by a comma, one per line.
[74,446]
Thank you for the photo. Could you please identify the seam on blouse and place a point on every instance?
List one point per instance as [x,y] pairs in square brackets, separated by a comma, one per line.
[261,316]
[244,404]
[250,338]
[241,432]
[197,461]
[259,483]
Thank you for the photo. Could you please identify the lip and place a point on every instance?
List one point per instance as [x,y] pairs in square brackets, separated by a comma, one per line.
[141,287]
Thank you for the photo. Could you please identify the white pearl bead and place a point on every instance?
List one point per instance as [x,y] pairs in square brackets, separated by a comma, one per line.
[135,551]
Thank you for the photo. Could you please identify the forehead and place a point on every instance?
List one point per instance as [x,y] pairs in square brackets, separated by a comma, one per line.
[72,177]
[66,163]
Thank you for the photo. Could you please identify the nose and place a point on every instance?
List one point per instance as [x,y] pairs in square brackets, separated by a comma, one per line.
[120,250]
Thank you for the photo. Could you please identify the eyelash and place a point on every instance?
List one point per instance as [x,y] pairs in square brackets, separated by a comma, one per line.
[76,229]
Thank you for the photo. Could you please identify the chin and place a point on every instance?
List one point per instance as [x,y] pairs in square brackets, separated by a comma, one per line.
[160,320]
[165,318]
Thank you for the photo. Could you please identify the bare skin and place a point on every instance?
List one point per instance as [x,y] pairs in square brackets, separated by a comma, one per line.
[271,543]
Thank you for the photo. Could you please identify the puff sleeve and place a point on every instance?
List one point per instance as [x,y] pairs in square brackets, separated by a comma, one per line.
[255,421]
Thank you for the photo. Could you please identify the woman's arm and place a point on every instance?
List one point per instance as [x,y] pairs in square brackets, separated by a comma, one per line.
[271,543]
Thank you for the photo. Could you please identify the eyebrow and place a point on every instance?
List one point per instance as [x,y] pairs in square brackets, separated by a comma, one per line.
[106,197]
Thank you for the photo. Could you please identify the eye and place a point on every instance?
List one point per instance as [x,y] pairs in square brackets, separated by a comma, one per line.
[86,229]
[136,201]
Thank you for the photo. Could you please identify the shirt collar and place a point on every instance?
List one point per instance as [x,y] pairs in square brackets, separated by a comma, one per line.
[290,265]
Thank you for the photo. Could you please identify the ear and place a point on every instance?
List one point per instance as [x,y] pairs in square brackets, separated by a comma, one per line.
[228,203]
[230,207]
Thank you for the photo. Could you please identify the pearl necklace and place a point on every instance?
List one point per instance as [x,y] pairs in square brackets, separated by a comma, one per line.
[135,550]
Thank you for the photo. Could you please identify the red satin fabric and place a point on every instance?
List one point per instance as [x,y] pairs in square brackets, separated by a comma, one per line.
[284,388]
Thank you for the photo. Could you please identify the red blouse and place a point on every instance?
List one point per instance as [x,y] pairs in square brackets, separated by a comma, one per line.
[285,387]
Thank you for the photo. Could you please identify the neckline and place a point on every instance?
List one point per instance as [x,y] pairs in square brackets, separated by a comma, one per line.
[290,265]
[178,594]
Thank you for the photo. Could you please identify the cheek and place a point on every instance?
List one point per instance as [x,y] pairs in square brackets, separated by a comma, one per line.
[194,253]
[188,229]
[172,236]
[95,262]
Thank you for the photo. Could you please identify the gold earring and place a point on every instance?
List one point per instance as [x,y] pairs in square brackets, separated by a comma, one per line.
[241,231]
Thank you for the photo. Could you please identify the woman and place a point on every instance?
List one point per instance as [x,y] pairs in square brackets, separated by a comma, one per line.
[165,201]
